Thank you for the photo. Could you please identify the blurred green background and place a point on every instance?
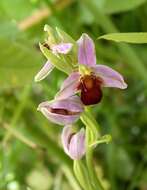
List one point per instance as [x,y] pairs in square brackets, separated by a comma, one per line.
[31,155]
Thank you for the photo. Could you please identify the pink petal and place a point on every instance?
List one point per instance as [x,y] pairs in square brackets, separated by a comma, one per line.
[77,145]
[69,86]
[86,52]
[72,105]
[110,77]
[65,136]
[45,70]
[62,48]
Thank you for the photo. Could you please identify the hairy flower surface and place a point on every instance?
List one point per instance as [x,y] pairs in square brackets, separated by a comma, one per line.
[62,112]
[73,143]
[91,77]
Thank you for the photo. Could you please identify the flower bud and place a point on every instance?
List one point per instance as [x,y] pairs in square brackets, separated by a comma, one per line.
[73,143]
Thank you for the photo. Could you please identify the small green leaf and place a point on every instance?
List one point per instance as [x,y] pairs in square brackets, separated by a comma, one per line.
[104,139]
[135,37]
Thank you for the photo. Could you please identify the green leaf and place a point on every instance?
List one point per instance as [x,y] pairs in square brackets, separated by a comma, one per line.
[19,62]
[136,37]
[114,6]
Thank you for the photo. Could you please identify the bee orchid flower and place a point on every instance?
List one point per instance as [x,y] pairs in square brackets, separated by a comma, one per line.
[61,48]
[91,77]
[62,112]
[73,143]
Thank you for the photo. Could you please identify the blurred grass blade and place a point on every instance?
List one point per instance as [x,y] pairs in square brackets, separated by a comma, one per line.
[19,136]
[134,37]
[113,6]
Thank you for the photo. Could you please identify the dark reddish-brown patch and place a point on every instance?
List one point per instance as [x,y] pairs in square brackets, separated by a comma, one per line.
[90,87]
[70,137]
[46,45]
[62,111]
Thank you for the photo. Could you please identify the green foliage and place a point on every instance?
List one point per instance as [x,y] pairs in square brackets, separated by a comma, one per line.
[138,38]
[17,59]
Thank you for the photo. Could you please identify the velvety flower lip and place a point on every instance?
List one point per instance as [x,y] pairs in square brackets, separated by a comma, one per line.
[96,73]
[73,143]
[62,48]
[62,112]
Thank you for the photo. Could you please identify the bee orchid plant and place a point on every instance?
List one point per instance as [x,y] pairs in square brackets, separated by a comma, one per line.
[83,87]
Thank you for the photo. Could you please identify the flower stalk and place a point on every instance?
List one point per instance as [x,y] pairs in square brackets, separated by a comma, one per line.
[82,175]
[92,133]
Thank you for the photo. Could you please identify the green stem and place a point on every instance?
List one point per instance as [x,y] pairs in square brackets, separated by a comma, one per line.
[70,177]
[89,155]
[92,133]
[82,175]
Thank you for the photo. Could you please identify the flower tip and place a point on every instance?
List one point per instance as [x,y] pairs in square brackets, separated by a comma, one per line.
[39,108]
[83,36]
[46,27]
[36,79]
[125,85]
